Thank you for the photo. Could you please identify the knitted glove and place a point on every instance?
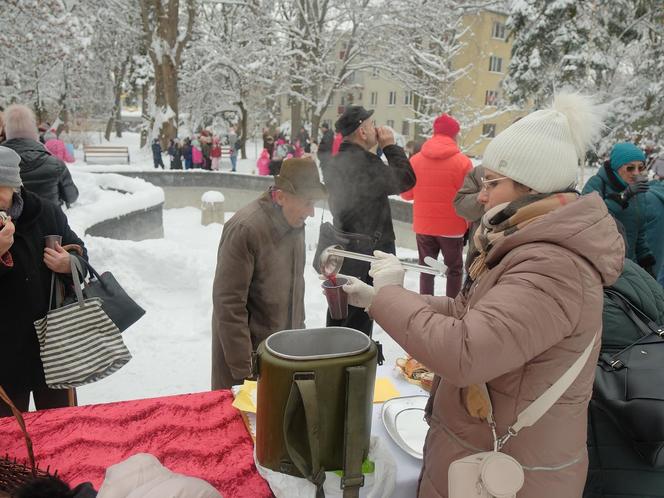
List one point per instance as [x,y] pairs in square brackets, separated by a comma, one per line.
[633,189]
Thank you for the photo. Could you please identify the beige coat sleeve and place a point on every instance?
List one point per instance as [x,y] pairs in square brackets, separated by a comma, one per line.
[465,201]
[525,313]
[235,269]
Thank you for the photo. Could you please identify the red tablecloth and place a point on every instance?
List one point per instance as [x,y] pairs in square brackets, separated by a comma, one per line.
[199,435]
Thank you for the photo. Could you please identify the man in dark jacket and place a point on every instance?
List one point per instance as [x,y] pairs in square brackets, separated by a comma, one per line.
[26,266]
[326,141]
[359,185]
[156,154]
[41,172]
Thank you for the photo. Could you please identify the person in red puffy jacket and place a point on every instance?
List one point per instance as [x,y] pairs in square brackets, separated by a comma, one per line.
[440,168]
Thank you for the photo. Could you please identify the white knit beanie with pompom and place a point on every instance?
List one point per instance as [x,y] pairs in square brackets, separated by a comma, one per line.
[542,150]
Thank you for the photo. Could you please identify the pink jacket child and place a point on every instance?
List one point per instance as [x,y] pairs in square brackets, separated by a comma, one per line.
[263,163]
[57,147]
[196,155]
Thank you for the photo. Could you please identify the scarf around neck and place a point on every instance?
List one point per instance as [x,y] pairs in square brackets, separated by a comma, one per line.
[508,218]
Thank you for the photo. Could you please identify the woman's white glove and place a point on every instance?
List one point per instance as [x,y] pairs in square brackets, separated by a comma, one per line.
[359,293]
[388,270]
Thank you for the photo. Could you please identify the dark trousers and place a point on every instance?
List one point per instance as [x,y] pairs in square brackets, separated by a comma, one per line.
[452,249]
[43,396]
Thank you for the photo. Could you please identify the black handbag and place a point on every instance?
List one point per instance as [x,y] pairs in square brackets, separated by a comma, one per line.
[355,242]
[116,303]
[629,385]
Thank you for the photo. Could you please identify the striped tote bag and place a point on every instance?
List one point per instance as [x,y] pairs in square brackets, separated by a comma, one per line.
[79,343]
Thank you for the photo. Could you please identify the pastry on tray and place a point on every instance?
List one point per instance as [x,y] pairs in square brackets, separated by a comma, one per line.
[415,372]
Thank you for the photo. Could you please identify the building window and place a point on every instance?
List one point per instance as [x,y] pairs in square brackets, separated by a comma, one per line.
[351,77]
[491,97]
[341,109]
[393,98]
[375,72]
[390,123]
[498,30]
[374,98]
[405,128]
[489,130]
[408,98]
[342,100]
[495,64]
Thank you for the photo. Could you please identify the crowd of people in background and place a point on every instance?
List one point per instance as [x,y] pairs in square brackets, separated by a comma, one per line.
[278,146]
[203,150]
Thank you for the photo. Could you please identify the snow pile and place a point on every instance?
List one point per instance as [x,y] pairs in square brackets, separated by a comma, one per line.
[212,197]
[107,196]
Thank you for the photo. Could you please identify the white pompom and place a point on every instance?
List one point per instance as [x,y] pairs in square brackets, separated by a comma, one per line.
[584,116]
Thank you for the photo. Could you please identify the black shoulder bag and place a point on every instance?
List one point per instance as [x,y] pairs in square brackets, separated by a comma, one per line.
[329,235]
[629,385]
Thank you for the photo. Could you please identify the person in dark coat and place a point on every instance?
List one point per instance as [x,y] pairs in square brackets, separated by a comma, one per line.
[359,185]
[156,154]
[326,141]
[187,154]
[25,284]
[41,172]
[621,184]
[175,153]
[305,141]
[615,469]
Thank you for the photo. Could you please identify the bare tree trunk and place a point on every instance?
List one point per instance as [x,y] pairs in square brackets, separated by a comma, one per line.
[243,126]
[315,125]
[296,116]
[165,41]
[144,113]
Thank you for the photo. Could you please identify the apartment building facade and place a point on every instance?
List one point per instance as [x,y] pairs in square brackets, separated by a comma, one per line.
[485,54]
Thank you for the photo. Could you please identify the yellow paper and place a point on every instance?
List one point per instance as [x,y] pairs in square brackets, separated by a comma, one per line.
[384,390]
[244,400]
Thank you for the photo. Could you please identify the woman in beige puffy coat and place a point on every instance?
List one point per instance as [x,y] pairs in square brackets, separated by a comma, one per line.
[534,305]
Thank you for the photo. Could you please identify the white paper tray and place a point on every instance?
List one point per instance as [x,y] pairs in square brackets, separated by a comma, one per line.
[404,421]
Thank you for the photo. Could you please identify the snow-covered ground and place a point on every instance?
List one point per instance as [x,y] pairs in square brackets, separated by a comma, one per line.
[172,279]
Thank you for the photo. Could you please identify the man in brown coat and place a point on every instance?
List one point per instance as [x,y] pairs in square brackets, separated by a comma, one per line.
[259,283]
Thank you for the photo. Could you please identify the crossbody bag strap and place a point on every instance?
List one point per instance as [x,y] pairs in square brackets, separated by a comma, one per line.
[544,402]
[645,324]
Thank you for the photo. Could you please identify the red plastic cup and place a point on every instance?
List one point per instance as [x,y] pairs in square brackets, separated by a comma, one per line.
[337,299]
[51,240]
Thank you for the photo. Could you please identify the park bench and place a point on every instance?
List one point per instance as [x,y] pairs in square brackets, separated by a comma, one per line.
[105,152]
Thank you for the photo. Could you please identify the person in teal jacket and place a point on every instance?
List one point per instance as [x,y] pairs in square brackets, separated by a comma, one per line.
[620,184]
[615,469]
[654,225]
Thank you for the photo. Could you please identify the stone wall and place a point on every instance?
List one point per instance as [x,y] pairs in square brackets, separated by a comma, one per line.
[185,188]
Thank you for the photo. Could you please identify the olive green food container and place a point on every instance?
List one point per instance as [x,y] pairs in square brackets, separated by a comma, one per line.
[315,394]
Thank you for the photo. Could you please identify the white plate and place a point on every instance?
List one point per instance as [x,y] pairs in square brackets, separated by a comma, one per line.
[404,420]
